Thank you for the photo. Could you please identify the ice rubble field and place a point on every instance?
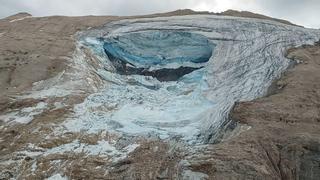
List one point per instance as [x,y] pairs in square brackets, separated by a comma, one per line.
[233,59]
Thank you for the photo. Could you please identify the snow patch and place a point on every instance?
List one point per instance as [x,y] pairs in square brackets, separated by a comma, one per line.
[58,105]
[25,115]
[34,167]
[57,177]
[191,175]
[20,19]
[103,149]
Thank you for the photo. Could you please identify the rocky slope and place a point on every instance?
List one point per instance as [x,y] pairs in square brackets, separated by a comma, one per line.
[58,94]
[283,141]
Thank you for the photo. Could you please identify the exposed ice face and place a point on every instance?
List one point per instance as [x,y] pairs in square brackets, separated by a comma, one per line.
[153,53]
[248,55]
[150,48]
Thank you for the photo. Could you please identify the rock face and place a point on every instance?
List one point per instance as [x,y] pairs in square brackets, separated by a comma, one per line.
[145,97]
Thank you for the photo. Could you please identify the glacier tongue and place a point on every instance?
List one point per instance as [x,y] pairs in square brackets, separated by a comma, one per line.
[248,55]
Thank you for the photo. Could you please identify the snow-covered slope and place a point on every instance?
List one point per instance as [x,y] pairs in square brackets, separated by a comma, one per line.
[247,55]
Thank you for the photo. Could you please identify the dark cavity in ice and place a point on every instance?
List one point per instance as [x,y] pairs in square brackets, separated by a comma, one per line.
[165,55]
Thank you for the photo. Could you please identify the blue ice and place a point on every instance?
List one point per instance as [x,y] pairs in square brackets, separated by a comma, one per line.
[146,49]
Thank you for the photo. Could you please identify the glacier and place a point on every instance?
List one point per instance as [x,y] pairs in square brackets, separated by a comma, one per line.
[144,49]
[216,61]
[151,53]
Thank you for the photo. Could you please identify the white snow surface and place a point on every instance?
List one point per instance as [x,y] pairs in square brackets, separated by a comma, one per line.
[190,175]
[25,115]
[248,56]
[104,149]
[57,177]
[20,19]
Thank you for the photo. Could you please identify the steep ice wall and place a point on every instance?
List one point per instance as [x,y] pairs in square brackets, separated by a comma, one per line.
[155,53]
[152,48]
[242,58]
